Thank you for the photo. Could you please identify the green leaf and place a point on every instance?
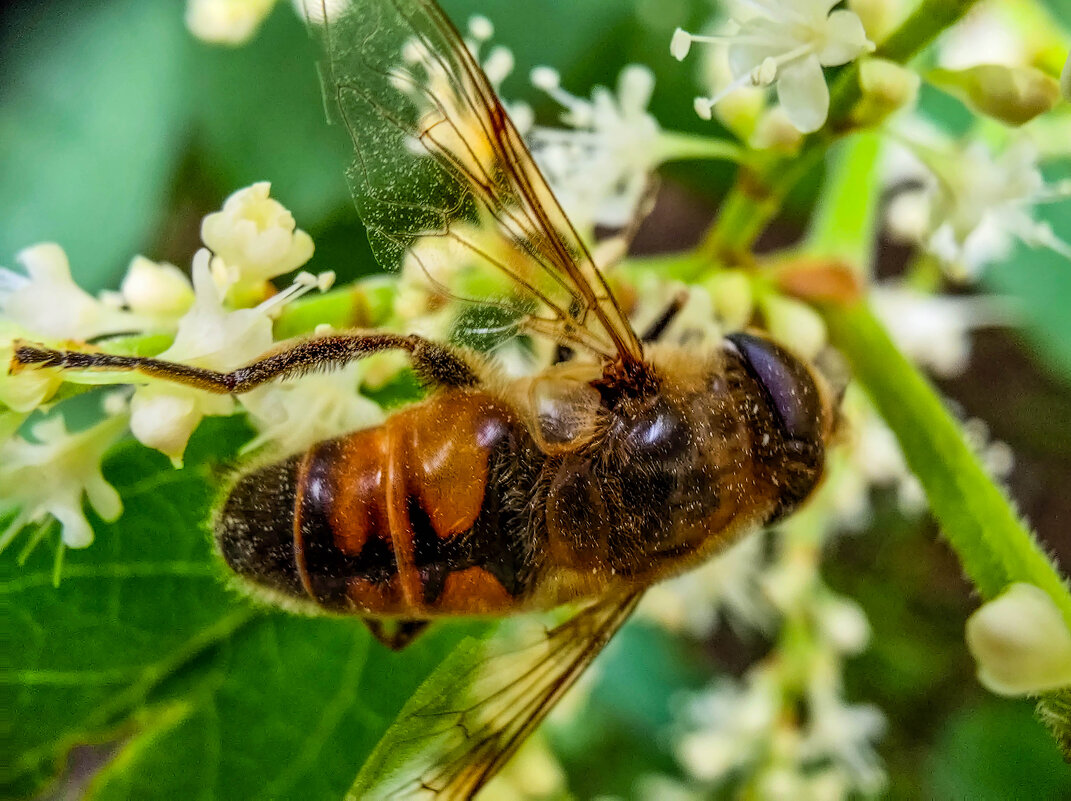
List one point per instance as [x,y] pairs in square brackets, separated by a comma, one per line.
[143,639]
[993,752]
[289,707]
[142,601]
[91,130]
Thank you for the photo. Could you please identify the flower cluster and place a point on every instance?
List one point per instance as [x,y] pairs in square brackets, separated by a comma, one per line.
[600,164]
[787,714]
[220,320]
[971,205]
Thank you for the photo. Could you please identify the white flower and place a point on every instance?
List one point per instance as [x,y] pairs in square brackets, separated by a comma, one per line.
[50,475]
[163,415]
[231,22]
[728,584]
[255,237]
[844,734]
[47,303]
[733,719]
[934,330]
[295,414]
[1021,642]
[158,290]
[785,42]
[25,390]
[975,204]
[599,168]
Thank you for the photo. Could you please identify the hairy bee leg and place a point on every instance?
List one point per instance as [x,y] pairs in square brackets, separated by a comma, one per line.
[432,362]
[399,635]
[658,327]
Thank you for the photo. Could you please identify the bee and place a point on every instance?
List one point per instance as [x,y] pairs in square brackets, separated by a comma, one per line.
[587,482]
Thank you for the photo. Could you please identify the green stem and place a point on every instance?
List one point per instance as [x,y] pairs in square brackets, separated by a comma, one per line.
[994,547]
[678,146]
[753,201]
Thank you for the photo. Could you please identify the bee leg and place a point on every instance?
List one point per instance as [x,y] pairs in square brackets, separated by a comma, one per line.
[658,327]
[396,636]
[434,363]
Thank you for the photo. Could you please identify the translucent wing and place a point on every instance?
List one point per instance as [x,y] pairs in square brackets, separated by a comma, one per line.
[475,710]
[441,177]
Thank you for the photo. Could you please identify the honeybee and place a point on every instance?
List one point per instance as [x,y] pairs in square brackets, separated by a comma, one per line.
[584,483]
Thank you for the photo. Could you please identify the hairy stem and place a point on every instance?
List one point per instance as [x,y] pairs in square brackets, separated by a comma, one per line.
[992,543]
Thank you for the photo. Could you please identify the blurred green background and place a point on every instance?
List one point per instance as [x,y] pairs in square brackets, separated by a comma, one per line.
[119,131]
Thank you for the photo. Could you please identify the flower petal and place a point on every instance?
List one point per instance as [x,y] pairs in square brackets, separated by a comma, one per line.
[845,39]
[802,91]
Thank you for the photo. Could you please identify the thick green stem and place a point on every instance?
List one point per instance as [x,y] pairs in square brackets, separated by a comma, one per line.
[994,546]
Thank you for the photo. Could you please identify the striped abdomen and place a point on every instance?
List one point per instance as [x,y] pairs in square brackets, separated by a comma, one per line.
[407,519]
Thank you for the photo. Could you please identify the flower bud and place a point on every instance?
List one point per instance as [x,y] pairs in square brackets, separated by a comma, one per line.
[795,324]
[775,131]
[230,22]
[256,236]
[156,289]
[886,88]
[879,17]
[730,292]
[1021,642]
[164,421]
[1013,95]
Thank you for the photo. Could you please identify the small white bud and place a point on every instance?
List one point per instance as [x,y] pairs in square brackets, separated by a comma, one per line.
[886,87]
[499,65]
[481,28]
[1021,642]
[734,302]
[1013,95]
[795,324]
[845,625]
[546,78]
[163,421]
[156,289]
[680,44]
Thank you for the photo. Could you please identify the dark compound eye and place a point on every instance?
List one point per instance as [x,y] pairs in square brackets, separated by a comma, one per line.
[787,383]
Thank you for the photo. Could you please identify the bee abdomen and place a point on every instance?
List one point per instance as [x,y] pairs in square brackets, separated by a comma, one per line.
[407,519]
[255,527]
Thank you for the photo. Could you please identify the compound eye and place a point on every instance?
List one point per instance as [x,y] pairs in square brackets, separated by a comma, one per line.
[658,431]
[787,383]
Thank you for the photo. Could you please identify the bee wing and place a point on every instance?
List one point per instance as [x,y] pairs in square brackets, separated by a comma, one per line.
[477,708]
[440,174]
